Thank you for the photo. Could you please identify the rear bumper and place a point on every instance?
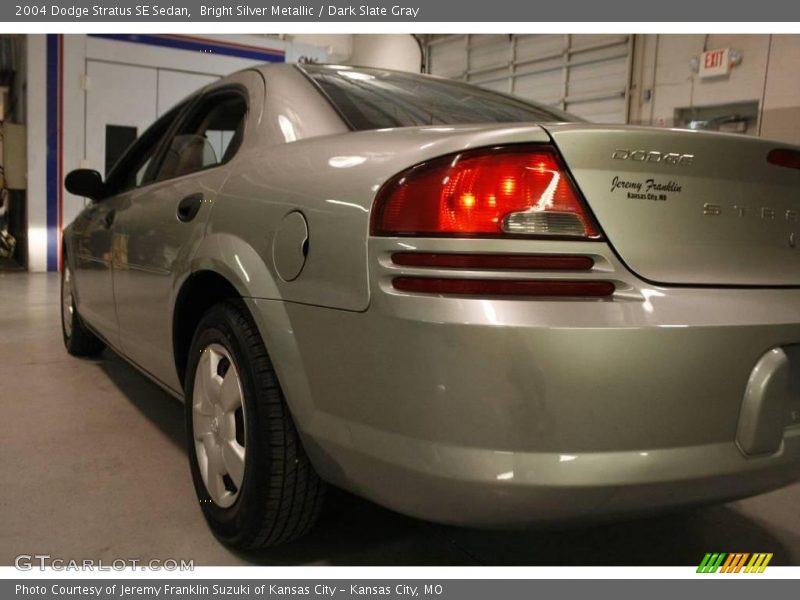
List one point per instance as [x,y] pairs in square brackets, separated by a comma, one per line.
[502,412]
[484,488]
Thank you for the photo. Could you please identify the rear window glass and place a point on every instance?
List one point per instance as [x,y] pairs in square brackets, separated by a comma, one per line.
[377,99]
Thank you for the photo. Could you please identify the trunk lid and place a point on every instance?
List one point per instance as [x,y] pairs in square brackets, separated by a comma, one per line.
[687,207]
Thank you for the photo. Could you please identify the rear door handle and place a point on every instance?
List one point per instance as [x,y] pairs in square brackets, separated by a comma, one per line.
[189,207]
[108,219]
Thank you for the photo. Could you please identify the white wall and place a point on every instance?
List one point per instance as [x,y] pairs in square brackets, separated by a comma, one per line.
[780,117]
[388,51]
[767,74]
[36,95]
[339,47]
[400,52]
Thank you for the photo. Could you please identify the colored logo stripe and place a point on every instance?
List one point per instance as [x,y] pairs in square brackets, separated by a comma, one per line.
[711,563]
[734,562]
[758,563]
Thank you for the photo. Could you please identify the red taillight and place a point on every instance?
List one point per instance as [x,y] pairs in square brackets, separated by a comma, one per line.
[511,191]
[527,262]
[504,287]
[784,157]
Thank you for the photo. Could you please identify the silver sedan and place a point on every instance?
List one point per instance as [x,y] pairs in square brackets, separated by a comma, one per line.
[461,305]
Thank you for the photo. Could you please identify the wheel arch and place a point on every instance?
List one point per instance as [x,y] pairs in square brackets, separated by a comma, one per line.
[199,292]
[223,266]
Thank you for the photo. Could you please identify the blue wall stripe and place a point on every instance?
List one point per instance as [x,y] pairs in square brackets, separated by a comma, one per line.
[209,46]
[52,182]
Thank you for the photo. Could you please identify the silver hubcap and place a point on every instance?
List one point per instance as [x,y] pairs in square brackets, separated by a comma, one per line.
[66,301]
[218,422]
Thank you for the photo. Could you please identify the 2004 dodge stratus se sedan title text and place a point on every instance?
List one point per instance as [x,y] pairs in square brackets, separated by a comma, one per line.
[214,11]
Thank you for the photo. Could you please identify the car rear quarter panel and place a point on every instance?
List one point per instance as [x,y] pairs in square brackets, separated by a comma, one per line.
[332,180]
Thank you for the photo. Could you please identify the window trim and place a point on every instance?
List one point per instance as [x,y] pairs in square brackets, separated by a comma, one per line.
[183,109]
[224,90]
[179,109]
[315,84]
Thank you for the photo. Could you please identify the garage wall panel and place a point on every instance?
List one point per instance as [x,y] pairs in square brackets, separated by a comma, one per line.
[585,74]
[488,51]
[121,95]
[665,83]
[174,86]
[449,57]
[546,87]
[539,45]
[780,117]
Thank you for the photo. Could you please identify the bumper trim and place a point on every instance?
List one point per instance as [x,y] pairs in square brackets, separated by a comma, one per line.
[481,487]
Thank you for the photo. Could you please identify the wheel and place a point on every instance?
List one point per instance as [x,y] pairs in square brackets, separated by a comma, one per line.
[78,340]
[255,484]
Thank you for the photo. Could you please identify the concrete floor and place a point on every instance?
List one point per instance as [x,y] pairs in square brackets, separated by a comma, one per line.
[92,465]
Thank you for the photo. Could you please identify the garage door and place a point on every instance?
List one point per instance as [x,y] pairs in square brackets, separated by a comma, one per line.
[587,75]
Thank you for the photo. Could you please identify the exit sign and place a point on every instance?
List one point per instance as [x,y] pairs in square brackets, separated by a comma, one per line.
[715,62]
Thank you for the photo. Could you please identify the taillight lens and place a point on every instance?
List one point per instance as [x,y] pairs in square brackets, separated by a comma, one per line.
[504,287]
[525,262]
[783,157]
[497,192]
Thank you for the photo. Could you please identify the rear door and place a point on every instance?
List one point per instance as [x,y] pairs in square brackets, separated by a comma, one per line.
[92,232]
[95,231]
[164,221]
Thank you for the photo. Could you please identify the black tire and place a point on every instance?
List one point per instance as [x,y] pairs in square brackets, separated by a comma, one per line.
[281,495]
[78,340]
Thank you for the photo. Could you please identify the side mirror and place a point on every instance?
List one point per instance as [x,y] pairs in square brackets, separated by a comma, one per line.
[84,182]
